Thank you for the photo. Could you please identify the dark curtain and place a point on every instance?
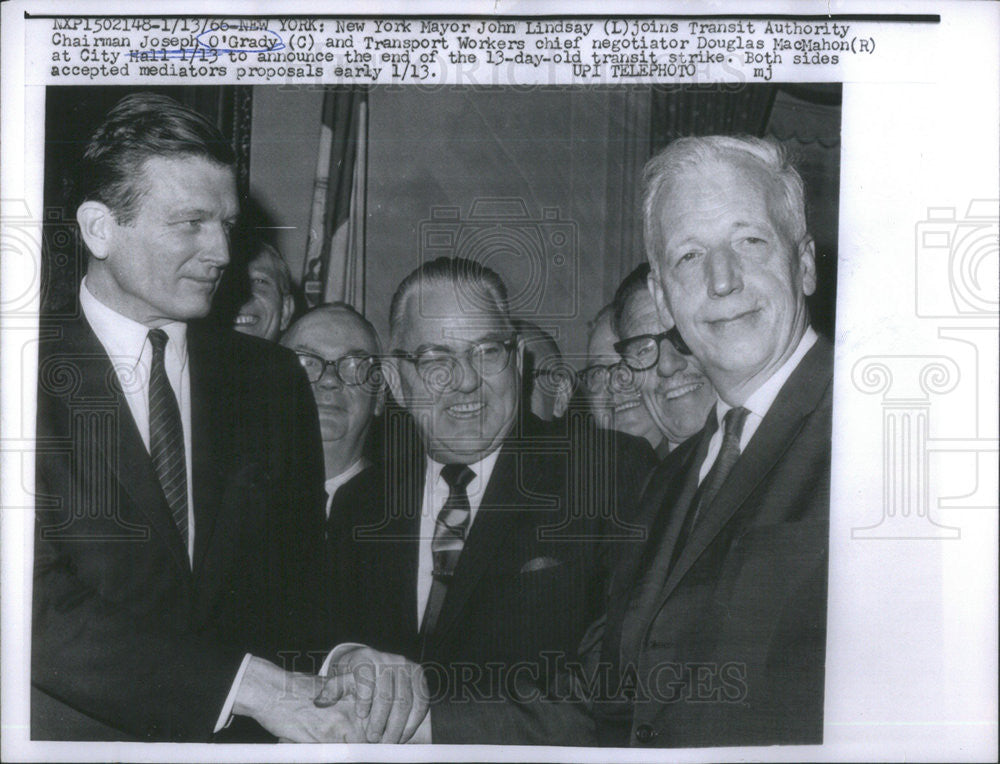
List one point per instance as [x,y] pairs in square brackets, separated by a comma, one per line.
[334,253]
[71,115]
[678,111]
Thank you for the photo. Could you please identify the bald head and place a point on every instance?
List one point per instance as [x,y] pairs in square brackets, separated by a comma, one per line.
[328,323]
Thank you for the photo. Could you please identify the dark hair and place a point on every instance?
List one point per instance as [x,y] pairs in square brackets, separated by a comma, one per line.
[139,127]
[475,284]
[633,283]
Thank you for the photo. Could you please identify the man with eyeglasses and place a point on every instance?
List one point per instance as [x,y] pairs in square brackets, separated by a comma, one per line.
[339,349]
[674,390]
[481,547]
[609,385]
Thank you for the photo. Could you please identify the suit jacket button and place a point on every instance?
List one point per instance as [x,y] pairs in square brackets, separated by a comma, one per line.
[644,733]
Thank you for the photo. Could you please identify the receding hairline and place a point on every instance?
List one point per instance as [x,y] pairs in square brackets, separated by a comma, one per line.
[331,314]
[476,317]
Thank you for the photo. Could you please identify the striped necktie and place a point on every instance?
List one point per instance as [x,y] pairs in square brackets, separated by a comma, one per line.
[450,529]
[166,436]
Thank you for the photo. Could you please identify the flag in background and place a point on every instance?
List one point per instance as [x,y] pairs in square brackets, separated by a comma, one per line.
[334,263]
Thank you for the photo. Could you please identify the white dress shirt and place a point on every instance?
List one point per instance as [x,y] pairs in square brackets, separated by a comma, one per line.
[127,345]
[757,405]
[435,495]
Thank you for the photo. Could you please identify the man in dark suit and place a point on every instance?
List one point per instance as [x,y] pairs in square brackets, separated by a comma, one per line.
[479,547]
[179,469]
[715,631]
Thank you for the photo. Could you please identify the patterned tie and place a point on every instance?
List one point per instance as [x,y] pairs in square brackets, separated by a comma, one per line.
[728,455]
[449,538]
[166,436]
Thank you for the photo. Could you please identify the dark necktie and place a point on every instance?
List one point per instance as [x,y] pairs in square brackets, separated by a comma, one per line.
[450,529]
[166,436]
[729,453]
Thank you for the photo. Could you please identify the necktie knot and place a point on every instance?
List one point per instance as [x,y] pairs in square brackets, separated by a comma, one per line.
[158,339]
[457,476]
[733,422]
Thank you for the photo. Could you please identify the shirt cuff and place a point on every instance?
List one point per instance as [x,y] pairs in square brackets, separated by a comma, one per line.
[226,717]
[336,654]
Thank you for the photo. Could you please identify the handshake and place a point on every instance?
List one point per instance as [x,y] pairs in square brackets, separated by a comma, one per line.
[366,697]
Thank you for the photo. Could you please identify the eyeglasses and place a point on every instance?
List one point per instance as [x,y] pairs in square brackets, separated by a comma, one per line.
[352,370]
[442,368]
[598,377]
[642,352]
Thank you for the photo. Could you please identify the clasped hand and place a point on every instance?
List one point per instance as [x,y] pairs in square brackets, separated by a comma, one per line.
[367,696]
[390,693]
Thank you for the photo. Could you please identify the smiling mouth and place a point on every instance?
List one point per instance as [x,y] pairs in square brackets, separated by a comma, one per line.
[465,410]
[685,389]
[628,405]
[723,322]
[245,319]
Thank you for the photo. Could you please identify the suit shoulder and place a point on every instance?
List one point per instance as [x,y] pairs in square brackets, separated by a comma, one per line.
[258,357]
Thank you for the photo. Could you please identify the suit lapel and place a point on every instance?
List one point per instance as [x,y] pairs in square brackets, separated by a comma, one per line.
[211,432]
[799,396]
[127,457]
[635,584]
[496,519]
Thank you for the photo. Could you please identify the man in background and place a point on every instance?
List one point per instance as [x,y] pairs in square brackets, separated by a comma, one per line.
[613,395]
[270,303]
[339,351]
[547,381]
[674,391]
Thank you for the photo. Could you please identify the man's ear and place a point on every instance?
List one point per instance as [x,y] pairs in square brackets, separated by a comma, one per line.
[519,356]
[379,402]
[807,264]
[659,298]
[97,224]
[287,309]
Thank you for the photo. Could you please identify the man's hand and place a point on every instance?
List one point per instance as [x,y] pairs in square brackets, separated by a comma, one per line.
[390,693]
[282,702]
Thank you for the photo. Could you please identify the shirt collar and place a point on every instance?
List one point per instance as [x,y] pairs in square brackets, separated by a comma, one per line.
[338,480]
[483,469]
[759,403]
[123,338]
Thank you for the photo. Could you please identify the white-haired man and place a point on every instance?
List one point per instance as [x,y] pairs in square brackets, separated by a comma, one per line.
[715,630]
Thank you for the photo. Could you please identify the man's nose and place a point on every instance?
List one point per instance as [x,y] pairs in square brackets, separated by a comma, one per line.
[467,377]
[725,275]
[329,380]
[670,361]
[215,248]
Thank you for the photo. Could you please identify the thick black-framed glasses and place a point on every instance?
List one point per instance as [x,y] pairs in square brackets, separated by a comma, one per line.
[352,370]
[441,367]
[642,351]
